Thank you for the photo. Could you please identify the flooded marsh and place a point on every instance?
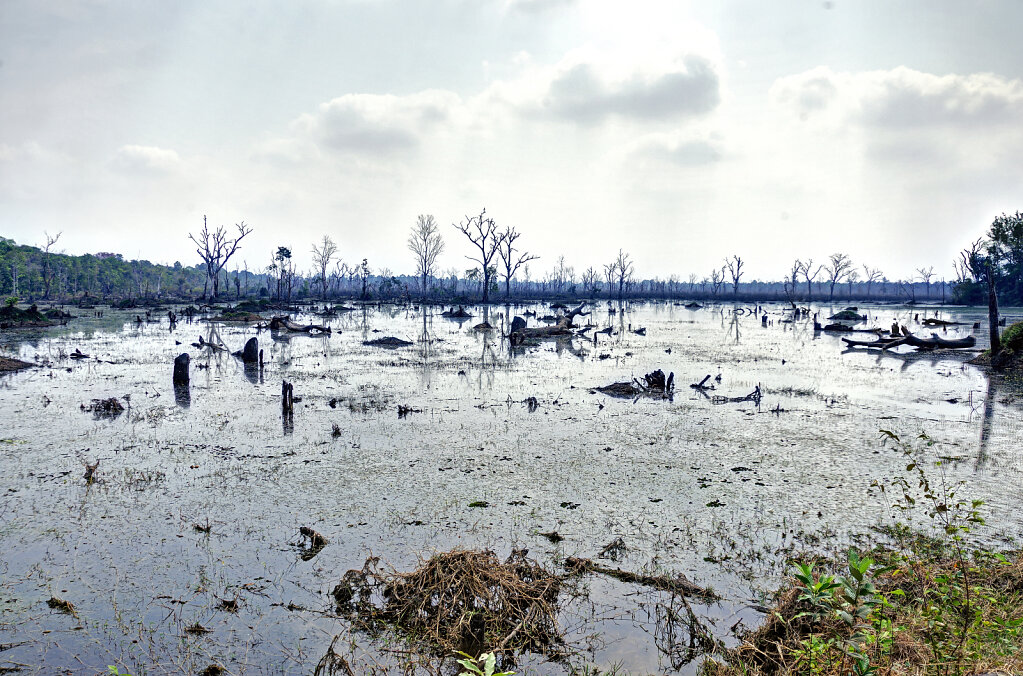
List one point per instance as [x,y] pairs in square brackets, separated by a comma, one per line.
[182,547]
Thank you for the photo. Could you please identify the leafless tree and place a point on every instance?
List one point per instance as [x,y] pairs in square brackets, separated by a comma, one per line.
[426,244]
[484,235]
[323,255]
[970,266]
[216,248]
[925,275]
[734,265]
[792,280]
[591,281]
[810,275]
[506,250]
[717,279]
[47,263]
[871,275]
[621,270]
[837,268]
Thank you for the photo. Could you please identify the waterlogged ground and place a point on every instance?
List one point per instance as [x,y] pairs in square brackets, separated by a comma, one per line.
[722,492]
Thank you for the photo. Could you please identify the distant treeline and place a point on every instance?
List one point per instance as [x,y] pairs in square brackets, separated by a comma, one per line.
[29,273]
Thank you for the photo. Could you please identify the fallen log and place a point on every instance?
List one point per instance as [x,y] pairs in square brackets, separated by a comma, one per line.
[937,342]
[677,584]
[880,343]
[278,323]
[563,327]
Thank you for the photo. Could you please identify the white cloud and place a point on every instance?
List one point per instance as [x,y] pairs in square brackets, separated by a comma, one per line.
[135,159]
[903,98]
[375,124]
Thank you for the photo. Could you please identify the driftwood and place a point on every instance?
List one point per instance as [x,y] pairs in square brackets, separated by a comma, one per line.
[654,384]
[278,323]
[907,338]
[563,327]
[935,341]
[677,584]
[754,396]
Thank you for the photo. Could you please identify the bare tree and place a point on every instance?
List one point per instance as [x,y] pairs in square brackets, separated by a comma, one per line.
[506,250]
[925,275]
[810,275]
[717,278]
[734,265]
[591,281]
[362,271]
[483,233]
[622,269]
[792,280]
[216,248]
[871,275]
[323,255]
[426,245]
[609,275]
[837,268]
[47,263]
[970,266]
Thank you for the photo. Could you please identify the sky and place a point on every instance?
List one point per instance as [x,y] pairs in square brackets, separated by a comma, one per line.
[681,132]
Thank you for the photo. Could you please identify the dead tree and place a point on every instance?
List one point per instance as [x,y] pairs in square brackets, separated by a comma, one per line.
[216,248]
[622,269]
[426,245]
[810,275]
[483,233]
[322,257]
[506,250]
[791,281]
[734,265]
[47,264]
[871,275]
[925,275]
[837,268]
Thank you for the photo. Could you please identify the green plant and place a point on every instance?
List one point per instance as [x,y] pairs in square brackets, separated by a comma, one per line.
[11,301]
[114,671]
[484,665]
[949,603]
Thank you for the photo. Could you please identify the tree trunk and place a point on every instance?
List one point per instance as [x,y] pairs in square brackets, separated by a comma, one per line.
[992,311]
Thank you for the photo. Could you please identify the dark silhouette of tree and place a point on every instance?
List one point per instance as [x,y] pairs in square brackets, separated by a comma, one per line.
[426,245]
[506,250]
[734,265]
[925,275]
[837,268]
[216,248]
[323,255]
[791,281]
[1005,251]
[47,263]
[621,271]
[871,275]
[484,235]
[717,279]
[363,272]
[810,275]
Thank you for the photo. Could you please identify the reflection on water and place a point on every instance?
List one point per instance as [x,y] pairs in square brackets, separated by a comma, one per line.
[715,491]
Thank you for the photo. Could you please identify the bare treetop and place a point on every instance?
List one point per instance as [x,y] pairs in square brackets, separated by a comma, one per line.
[426,244]
[322,257]
[506,250]
[216,248]
[483,233]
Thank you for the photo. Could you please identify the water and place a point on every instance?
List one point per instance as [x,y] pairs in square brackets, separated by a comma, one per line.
[722,492]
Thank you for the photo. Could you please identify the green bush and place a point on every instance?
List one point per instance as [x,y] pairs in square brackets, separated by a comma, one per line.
[1012,339]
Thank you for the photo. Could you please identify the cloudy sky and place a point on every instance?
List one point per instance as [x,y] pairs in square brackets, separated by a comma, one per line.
[682,132]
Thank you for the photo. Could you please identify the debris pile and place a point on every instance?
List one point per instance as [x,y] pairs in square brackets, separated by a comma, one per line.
[464,600]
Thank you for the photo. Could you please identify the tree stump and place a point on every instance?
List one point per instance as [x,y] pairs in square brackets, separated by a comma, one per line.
[181,369]
[250,354]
